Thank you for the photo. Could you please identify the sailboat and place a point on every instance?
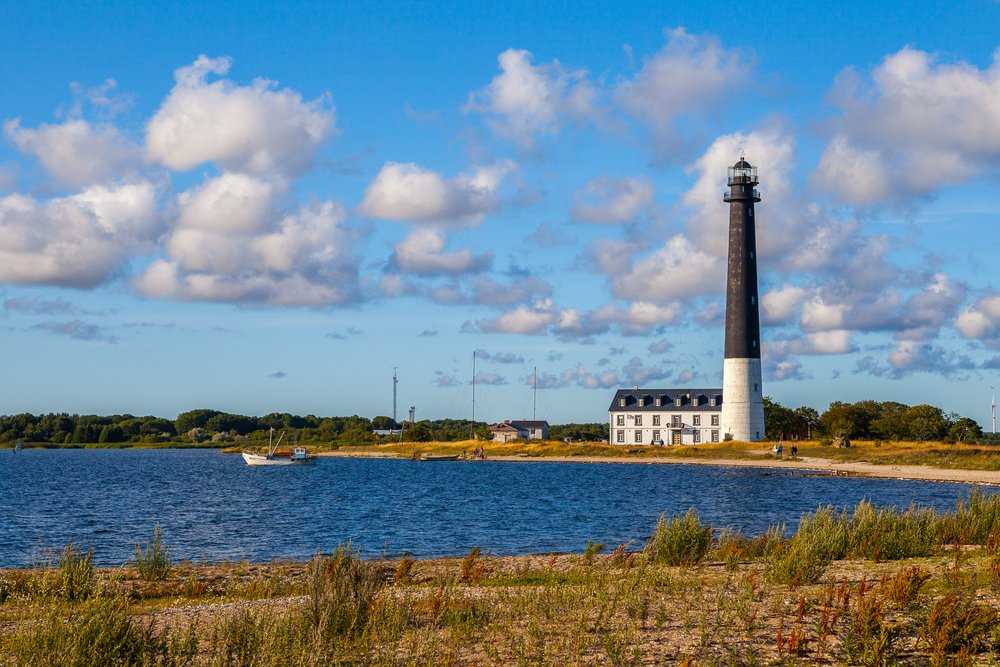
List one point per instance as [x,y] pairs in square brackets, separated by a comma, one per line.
[17,447]
[298,457]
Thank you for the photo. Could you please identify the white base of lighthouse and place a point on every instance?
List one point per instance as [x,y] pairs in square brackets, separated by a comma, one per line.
[742,400]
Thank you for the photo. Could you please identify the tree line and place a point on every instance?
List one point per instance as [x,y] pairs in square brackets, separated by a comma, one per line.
[870,420]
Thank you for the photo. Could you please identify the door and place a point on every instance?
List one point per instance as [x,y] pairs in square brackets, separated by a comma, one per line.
[676,437]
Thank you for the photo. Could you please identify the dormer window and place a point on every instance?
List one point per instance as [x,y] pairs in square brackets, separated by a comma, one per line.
[694,400]
[677,401]
[621,402]
[711,401]
[657,401]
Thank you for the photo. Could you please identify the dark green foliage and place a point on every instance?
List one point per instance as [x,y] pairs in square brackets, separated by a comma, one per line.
[382,423]
[579,432]
[193,419]
[419,433]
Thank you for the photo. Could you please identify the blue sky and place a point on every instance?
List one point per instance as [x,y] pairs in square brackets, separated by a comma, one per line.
[258,207]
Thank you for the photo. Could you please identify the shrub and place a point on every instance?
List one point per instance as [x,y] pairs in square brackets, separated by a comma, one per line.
[590,552]
[956,623]
[868,638]
[75,578]
[155,564]
[903,587]
[342,592]
[680,540]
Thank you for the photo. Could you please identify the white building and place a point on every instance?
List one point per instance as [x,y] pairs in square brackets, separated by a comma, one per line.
[527,430]
[665,416]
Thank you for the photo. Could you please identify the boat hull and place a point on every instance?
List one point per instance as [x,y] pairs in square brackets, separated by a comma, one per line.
[262,460]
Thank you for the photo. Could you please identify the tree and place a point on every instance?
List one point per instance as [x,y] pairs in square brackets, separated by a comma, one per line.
[483,432]
[892,424]
[806,419]
[930,422]
[156,426]
[383,423]
[111,433]
[196,435]
[193,419]
[965,429]
[778,420]
[418,433]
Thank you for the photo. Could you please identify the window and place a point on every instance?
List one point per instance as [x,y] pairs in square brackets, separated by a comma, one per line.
[755,343]
[638,401]
[638,420]
[677,401]
[656,436]
[696,420]
[621,436]
[621,420]
[677,420]
[695,400]
[755,387]
[751,215]
[621,401]
[657,401]
[751,255]
[751,299]
[656,420]
[758,435]
[711,401]
[638,436]
[715,420]
[715,436]
[697,437]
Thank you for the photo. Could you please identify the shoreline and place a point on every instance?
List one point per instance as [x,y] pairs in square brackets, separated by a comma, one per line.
[826,467]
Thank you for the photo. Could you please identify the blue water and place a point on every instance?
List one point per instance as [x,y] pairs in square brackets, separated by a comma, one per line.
[213,506]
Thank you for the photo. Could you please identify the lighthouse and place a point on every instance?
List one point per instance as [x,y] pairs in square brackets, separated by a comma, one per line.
[742,389]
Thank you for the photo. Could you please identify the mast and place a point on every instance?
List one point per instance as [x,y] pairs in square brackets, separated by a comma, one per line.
[534,396]
[993,402]
[472,427]
[394,395]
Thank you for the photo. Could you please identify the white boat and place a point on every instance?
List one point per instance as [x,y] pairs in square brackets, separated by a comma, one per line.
[17,447]
[298,457]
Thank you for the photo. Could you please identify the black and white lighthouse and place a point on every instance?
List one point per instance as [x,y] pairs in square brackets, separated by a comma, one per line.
[742,389]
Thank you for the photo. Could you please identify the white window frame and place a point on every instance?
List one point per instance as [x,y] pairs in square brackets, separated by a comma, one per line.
[715,435]
[656,420]
[697,436]
[715,420]
[621,436]
[638,437]
[638,420]
[620,421]
[696,420]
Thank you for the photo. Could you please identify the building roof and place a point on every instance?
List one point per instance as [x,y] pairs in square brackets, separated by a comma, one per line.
[632,397]
[742,164]
[530,424]
[503,427]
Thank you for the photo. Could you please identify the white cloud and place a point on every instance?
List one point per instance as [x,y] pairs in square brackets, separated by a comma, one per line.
[678,270]
[981,319]
[533,319]
[75,241]
[638,319]
[255,129]
[488,378]
[525,102]
[660,346]
[916,125]
[613,201]
[409,192]
[638,374]
[689,77]
[75,152]
[420,253]
[303,258]
[778,306]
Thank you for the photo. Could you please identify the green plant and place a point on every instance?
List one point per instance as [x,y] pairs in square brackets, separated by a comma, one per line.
[156,562]
[903,587]
[342,591]
[75,578]
[679,540]
[868,638]
[590,552]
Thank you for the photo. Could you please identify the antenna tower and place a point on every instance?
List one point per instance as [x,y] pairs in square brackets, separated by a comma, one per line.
[394,396]
[472,426]
[993,405]
[534,396]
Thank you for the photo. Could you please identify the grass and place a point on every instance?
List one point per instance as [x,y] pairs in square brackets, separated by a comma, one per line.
[156,562]
[692,596]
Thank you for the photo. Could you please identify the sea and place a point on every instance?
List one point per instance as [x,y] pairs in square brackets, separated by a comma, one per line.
[212,507]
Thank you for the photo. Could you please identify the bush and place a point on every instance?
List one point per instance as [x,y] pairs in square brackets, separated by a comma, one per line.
[956,623]
[342,592]
[681,540]
[75,579]
[155,564]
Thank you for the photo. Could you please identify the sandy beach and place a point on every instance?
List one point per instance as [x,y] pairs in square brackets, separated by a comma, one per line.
[799,465]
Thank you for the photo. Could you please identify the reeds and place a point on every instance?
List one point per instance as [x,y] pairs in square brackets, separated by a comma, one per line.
[342,591]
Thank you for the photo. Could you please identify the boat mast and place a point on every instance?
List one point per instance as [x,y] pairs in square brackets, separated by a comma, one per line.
[394,395]
[534,396]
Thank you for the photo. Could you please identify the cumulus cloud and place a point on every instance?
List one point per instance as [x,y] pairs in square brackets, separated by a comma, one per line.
[75,152]
[637,374]
[687,78]
[909,356]
[578,376]
[79,330]
[613,201]
[916,125]
[638,319]
[421,253]
[678,270]
[778,306]
[75,241]
[686,376]
[445,380]
[427,333]
[488,378]
[256,129]
[300,258]
[409,192]
[278,375]
[491,292]
[660,346]
[527,102]
[501,357]
[981,319]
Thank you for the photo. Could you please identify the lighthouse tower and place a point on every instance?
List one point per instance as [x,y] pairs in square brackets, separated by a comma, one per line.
[742,389]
